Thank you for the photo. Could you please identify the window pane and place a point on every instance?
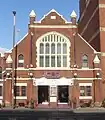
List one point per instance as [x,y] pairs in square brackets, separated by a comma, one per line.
[47,48]
[41,48]
[0,90]
[41,63]
[52,48]
[64,48]
[52,61]
[54,38]
[23,90]
[46,39]
[64,61]
[17,91]
[88,90]
[58,61]
[58,48]
[20,57]
[46,61]
[51,38]
[20,64]
[82,90]
[84,61]
[0,69]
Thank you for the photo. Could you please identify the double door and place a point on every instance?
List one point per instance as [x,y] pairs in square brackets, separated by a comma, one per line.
[60,92]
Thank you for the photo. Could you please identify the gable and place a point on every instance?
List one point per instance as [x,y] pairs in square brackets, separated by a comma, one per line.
[53,18]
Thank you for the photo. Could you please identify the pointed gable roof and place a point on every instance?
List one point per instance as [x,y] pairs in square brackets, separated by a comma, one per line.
[73,14]
[32,14]
[53,11]
[9,59]
[96,59]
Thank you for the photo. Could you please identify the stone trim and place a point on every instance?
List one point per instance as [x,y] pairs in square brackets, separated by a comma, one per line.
[52,26]
[85,97]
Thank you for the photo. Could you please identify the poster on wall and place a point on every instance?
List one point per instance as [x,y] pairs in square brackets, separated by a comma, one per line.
[53,91]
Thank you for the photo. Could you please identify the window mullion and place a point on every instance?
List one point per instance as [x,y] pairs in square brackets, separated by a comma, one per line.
[61,54]
[49,54]
[44,54]
[56,51]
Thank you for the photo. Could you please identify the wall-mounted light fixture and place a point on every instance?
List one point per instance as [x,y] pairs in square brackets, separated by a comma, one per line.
[97,75]
[30,75]
[8,75]
[75,75]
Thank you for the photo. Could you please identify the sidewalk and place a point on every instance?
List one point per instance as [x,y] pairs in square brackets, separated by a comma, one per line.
[77,110]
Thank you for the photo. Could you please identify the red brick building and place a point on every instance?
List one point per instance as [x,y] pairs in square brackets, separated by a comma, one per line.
[92,28]
[54,64]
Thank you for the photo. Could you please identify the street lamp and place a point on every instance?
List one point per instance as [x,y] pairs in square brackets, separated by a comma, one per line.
[14,61]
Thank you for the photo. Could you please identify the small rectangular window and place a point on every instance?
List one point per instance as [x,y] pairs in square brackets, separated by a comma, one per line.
[17,91]
[20,64]
[88,90]
[82,90]
[53,17]
[23,90]
[1,90]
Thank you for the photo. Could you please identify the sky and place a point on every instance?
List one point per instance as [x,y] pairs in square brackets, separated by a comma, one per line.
[23,9]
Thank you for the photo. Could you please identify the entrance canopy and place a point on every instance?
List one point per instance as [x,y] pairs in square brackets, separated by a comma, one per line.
[52,82]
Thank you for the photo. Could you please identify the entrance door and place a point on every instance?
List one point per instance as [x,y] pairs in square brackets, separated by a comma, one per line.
[63,94]
[43,94]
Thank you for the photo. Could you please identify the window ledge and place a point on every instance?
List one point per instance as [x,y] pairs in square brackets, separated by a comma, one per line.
[85,97]
[52,68]
[1,97]
[85,68]
[8,68]
[21,97]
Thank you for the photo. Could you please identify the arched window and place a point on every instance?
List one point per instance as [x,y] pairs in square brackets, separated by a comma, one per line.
[0,72]
[20,60]
[84,61]
[53,51]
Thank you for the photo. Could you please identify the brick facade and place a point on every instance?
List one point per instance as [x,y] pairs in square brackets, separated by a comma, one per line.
[30,74]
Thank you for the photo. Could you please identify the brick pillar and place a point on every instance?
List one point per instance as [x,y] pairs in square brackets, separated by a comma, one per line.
[96,82]
[8,91]
[103,75]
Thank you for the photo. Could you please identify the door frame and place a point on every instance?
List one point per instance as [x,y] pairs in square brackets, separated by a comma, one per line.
[58,94]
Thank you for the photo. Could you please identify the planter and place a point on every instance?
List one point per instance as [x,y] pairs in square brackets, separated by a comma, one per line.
[32,104]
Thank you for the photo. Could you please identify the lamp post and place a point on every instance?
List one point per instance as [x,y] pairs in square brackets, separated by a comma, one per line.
[14,60]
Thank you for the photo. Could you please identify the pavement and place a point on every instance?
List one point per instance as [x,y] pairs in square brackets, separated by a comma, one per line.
[77,110]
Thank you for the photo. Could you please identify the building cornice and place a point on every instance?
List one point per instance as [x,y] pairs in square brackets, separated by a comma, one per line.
[52,26]
[59,69]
